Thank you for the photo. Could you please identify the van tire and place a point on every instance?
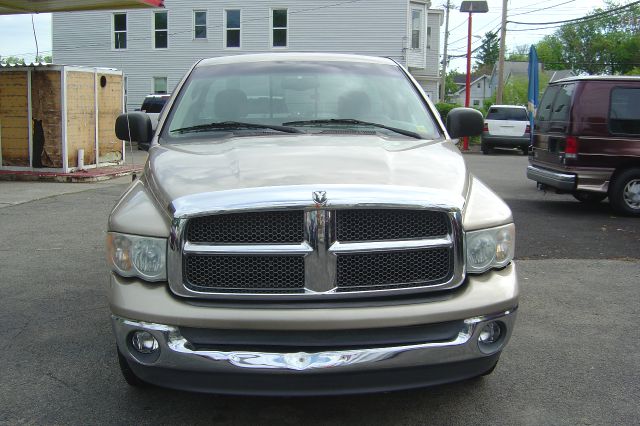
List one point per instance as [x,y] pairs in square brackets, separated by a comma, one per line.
[624,192]
[485,149]
[589,197]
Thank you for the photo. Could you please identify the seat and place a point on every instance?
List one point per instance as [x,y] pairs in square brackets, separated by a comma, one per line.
[231,105]
[355,104]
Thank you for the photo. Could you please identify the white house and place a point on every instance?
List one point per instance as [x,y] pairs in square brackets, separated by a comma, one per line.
[480,90]
[155,48]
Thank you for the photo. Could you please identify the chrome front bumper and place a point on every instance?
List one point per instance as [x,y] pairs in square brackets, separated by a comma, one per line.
[177,355]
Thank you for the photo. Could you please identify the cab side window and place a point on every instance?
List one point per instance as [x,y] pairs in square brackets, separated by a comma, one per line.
[624,114]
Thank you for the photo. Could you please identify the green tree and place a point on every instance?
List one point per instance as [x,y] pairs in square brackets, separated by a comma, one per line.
[450,83]
[45,59]
[11,60]
[488,53]
[608,43]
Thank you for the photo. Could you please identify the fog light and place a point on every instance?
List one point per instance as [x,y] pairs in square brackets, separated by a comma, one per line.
[490,333]
[144,342]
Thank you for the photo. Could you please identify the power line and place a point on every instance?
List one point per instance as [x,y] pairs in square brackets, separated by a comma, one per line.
[584,18]
[543,8]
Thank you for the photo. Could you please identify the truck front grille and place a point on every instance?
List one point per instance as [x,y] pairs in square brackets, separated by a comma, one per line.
[265,227]
[320,251]
[394,269]
[380,224]
[260,274]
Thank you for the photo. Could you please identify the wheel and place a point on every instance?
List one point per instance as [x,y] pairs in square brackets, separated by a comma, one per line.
[624,193]
[486,149]
[525,150]
[589,197]
[489,371]
[128,374]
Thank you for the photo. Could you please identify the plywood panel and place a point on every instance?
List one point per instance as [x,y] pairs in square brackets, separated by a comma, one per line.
[81,115]
[46,104]
[109,107]
[14,120]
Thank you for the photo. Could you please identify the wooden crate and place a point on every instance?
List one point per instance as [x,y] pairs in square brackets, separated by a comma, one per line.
[49,114]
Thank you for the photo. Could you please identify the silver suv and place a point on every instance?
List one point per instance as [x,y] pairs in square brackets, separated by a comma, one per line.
[305,225]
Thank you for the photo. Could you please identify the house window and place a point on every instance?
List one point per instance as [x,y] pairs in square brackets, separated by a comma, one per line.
[279,27]
[199,24]
[416,22]
[476,102]
[159,84]
[120,30]
[428,37]
[478,85]
[160,21]
[232,28]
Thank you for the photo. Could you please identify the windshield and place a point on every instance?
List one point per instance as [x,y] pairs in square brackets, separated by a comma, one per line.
[310,96]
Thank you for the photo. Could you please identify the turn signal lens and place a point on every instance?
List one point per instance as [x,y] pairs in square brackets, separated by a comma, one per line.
[571,147]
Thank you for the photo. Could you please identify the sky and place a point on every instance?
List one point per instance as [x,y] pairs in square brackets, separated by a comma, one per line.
[16,32]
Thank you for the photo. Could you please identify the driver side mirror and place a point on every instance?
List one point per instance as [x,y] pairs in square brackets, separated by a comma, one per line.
[134,126]
[464,122]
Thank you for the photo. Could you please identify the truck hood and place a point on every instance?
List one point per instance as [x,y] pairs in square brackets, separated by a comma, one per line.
[177,170]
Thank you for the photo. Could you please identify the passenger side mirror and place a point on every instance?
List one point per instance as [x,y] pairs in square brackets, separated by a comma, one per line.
[464,122]
[134,126]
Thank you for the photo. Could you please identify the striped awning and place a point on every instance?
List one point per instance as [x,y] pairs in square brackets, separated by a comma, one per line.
[8,7]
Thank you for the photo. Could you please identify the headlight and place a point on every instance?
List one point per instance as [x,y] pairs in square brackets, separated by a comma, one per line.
[490,248]
[135,256]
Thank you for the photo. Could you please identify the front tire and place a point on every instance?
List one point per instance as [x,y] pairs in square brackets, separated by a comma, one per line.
[486,149]
[589,197]
[128,374]
[624,193]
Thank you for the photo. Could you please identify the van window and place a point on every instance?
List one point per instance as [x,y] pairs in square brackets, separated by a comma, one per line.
[562,104]
[624,115]
[516,114]
[544,109]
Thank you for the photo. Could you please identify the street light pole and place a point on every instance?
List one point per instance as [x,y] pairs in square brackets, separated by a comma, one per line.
[503,36]
[470,7]
[467,96]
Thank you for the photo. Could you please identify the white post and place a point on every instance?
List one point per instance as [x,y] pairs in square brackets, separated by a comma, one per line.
[63,93]
[30,117]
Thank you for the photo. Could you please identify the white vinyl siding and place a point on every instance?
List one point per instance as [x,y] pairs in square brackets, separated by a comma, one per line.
[379,29]
[199,24]
[161,30]
[119,31]
[279,28]
[232,28]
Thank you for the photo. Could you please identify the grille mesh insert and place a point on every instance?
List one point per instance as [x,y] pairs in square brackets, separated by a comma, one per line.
[253,227]
[255,274]
[393,269]
[377,225]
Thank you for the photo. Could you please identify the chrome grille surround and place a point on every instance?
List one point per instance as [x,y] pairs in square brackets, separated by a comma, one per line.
[320,248]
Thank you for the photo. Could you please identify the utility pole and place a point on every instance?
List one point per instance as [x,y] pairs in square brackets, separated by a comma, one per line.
[503,36]
[443,84]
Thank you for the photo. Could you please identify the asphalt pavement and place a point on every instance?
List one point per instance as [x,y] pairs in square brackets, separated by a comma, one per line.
[574,357]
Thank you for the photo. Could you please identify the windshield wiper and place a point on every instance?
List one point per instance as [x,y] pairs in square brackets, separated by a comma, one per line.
[234,125]
[351,121]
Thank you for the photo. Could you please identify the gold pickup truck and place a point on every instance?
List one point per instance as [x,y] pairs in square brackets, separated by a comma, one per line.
[305,225]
